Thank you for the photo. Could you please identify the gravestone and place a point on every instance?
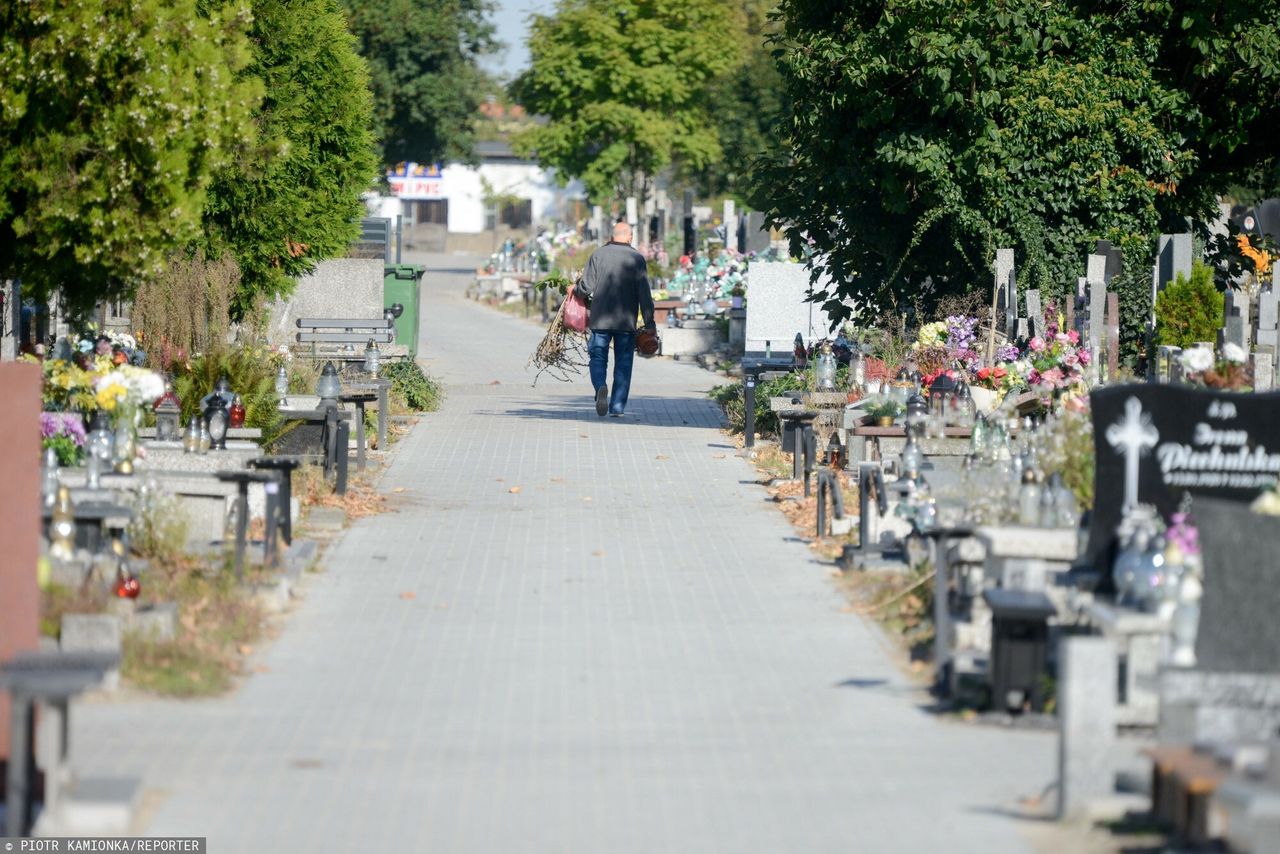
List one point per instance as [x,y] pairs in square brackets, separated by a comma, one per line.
[730,217]
[1096,320]
[690,242]
[1154,443]
[1232,694]
[1235,317]
[340,288]
[779,307]
[1113,335]
[1268,324]
[1173,256]
[1233,332]
[19,518]
[10,319]
[758,238]
[1006,292]
[1035,314]
[1264,370]
[633,220]
[597,223]
[1112,260]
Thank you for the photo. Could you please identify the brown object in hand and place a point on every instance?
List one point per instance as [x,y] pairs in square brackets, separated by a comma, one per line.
[648,343]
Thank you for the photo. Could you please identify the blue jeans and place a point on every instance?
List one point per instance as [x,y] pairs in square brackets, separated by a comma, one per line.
[624,354]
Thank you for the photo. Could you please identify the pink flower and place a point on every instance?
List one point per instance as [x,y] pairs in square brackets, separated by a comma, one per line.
[1071,360]
[1053,378]
[1073,337]
[1085,358]
[1036,344]
[1061,338]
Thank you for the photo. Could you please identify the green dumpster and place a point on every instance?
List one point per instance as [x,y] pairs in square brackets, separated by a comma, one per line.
[402,284]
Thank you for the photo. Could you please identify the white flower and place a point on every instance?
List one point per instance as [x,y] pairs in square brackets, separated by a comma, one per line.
[1197,359]
[1234,353]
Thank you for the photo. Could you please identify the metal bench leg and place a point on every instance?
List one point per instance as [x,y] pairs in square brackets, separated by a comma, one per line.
[384,415]
[342,438]
[242,527]
[286,505]
[749,411]
[360,436]
[272,490]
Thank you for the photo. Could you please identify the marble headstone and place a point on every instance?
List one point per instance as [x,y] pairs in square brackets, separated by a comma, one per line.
[1173,256]
[1267,320]
[757,238]
[778,307]
[1264,371]
[341,288]
[1006,291]
[1239,631]
[1035,313]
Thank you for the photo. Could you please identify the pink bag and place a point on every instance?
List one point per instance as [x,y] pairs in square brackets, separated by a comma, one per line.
[575,311]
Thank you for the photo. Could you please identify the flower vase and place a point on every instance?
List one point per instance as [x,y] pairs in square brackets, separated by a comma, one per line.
[735,302]
[984,399]
[126,438]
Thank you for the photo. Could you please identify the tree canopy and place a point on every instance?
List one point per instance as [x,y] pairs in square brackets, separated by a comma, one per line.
[745,103]
[623,86]
[296,201]
[113,116]
[427,86]
[923,134]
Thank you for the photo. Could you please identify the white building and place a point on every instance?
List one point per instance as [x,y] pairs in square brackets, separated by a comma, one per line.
[459,207]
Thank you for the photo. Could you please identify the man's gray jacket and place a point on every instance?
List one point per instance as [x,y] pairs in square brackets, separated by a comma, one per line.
[616,282]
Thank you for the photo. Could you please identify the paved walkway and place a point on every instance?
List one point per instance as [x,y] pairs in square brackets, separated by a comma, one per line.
[616,645]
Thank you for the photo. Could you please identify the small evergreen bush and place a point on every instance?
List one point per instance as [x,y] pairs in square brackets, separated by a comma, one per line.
[1188,311]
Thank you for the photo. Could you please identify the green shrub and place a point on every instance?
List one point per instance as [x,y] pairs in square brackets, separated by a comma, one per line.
[420,392]
[252,374]
[730,398]
[1189,311]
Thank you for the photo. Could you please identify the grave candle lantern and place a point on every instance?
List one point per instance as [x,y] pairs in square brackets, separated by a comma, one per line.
[329,388]
[372,358]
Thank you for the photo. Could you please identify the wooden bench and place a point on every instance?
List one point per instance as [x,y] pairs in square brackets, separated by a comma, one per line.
[1183,782]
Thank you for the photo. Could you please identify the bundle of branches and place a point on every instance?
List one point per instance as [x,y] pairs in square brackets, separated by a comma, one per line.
[562,353]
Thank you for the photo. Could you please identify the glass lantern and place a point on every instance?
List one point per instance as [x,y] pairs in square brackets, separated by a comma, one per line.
[191,438]
[329,388]
[372,358]
[217,420]
[825,369]
[282,386]
[100,449]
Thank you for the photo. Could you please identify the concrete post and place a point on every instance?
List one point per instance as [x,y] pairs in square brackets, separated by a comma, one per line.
[1086,723]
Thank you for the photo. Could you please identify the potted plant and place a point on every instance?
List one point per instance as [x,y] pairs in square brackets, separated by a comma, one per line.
[883,414]
[735,296]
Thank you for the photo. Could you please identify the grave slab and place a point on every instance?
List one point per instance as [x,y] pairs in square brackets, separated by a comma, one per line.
[1086,724]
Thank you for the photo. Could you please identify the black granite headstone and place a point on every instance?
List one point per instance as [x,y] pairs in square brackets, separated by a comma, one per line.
[1239,632]
[1177,440]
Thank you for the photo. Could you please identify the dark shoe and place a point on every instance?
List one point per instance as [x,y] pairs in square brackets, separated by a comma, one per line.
[602,401]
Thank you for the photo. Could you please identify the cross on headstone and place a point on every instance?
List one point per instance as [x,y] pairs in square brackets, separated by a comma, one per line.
[1132,436]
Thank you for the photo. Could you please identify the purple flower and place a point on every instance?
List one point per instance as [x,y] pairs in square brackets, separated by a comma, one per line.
[1007,353]
[62,424]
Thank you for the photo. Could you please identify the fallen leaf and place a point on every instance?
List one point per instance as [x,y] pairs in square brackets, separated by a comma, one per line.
[557,480]
[717,456]
[408,594]
[245,649]
[515,490]
[499,479]
[442,606]
[662,457]
[495,382]
[398,489]
[597,554]
[583,436]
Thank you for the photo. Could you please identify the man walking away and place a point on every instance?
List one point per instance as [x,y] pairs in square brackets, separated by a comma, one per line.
[616,284]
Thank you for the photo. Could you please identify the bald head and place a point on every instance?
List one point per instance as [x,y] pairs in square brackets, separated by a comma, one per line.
[622,233]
